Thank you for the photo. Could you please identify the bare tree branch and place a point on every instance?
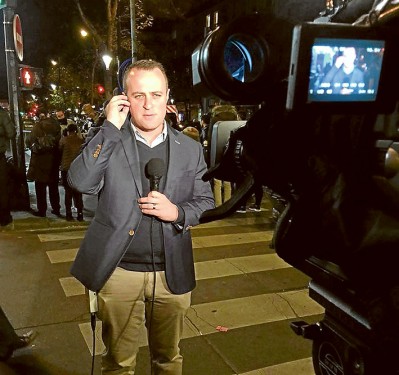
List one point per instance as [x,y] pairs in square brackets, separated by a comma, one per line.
[97,39]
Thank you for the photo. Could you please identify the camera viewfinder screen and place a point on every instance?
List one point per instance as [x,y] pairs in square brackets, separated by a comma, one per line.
[344,70]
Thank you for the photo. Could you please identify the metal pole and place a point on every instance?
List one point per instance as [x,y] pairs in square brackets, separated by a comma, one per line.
[14,92]
[108,83]
[133,29]
[11,77]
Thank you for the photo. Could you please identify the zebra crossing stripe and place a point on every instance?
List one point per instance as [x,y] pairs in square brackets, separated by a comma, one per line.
[62,256]
[238,266]
[299,367]
[204,270]
[72,235]
[203,319]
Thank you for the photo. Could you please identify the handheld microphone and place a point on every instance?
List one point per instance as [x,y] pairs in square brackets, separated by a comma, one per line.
[154,171]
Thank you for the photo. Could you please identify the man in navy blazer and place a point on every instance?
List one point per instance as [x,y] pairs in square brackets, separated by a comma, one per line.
[137,252]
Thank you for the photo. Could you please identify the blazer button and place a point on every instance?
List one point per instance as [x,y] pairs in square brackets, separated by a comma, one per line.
[131,232]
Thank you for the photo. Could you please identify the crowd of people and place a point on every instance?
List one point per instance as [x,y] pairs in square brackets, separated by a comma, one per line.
[52,144]
[48,168]
[48,165]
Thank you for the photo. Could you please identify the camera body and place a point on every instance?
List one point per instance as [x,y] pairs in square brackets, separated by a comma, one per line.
[320,152]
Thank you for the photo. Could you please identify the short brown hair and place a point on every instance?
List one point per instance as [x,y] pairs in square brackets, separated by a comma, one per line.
[206,118]
[192,132]
[144,65]
[72,127]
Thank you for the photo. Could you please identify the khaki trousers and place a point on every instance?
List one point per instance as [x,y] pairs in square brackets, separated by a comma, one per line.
[125,305]
[221,191]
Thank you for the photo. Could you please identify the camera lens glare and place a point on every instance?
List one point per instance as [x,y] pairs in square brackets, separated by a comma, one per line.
[244,58]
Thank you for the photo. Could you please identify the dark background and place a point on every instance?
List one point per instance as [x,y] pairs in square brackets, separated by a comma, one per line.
[46,28]
[51,27]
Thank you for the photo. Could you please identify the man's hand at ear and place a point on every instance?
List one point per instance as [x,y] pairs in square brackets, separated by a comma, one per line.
[117,110]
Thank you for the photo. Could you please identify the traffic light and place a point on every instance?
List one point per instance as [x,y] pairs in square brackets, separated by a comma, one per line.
[30,77]
[26,77]
[3,4]
[100,89]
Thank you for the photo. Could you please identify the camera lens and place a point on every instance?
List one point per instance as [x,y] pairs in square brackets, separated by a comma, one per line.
[244,58]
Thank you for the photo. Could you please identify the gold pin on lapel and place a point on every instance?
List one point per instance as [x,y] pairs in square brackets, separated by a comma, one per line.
[97,152]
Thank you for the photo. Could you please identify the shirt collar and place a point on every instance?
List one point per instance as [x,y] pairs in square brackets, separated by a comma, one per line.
[158,140]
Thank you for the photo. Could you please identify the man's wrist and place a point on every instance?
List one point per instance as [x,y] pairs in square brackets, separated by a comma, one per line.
[179,215]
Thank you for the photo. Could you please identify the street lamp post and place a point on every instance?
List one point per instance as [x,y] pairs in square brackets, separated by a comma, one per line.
[56,63]
[133,28]
[17,144]
[84,35]
[107,59]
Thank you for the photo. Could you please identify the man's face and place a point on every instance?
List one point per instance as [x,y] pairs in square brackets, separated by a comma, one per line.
[350,57]
[59,114]
[148,95]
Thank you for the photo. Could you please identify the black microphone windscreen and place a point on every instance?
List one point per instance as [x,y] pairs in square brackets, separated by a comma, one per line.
[155,167]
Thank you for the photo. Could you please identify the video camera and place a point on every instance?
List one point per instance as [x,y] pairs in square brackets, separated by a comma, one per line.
[329,149]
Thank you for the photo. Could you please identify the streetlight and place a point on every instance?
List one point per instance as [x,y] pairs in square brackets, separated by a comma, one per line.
[56,63]
[107,60]
[107,75]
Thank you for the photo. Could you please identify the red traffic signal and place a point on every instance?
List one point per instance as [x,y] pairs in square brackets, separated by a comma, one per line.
[27,77]
[30,77]
[100,89]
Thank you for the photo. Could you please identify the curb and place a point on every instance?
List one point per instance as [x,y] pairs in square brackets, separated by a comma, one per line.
[33,224]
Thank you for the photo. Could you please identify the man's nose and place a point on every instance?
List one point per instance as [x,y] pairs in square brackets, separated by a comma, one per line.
[148,102]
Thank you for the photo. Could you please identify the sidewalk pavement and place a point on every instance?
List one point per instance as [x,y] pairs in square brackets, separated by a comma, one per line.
[25,220]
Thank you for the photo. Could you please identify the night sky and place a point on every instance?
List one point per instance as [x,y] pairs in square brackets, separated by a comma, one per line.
[48,26]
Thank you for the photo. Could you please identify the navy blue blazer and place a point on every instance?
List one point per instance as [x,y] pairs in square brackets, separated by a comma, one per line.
[109,162]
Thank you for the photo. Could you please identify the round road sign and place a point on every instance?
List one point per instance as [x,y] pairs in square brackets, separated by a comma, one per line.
[18,40]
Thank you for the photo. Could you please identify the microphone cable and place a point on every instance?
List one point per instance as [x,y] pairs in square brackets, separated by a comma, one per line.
[93,304]
[153,292]
[93,328]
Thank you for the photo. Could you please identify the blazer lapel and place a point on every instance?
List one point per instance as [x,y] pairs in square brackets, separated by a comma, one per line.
[174,158]
[132,156]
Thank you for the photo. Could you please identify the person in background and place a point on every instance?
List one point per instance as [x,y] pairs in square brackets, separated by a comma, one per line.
[7,132]
[70,146]
[258,195]
[89,111]
[78,132]
[137,251]
[44,167]
[205,121]
[192,133]
[10,340]
[222,190]
[345,77]
[62,120]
